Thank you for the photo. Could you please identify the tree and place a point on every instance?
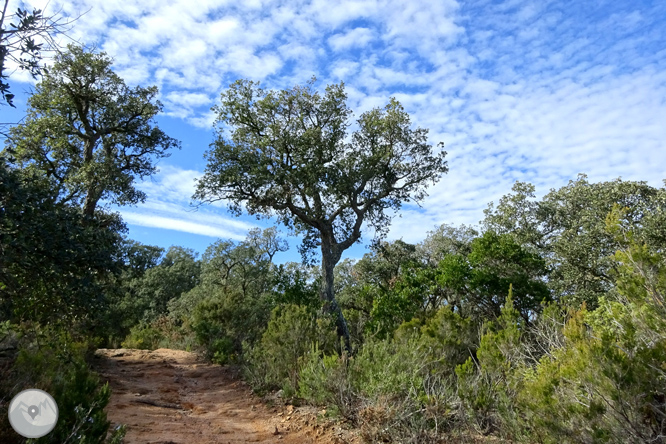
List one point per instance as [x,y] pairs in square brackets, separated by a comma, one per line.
[147,294]
[497,263]
[22,38]
[288,156]
[139,258]
[446,240]
[231,305]
[89,133]
[369,297]
[567,229]
[53,267]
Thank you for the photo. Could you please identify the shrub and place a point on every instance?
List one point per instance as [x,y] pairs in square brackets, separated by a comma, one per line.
[606,383]
[449,338]
[325,381]
[161,333]
[290,335]
[389,368]
[142,336]
[604,386]
[403,398]
[225,320]
[53,361]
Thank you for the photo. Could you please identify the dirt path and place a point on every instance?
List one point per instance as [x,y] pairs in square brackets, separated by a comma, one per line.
[172,397]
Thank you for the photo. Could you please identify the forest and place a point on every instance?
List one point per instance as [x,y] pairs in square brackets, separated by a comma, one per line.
[544,324]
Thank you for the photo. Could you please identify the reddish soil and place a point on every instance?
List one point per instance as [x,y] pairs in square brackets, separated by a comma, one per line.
[173,397]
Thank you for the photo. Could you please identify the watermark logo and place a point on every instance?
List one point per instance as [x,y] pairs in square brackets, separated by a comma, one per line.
[33,413]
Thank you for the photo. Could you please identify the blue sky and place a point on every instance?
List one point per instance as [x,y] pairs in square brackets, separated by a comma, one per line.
[536,91]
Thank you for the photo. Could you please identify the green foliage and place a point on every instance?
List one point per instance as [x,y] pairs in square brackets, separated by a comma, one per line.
[567,229]
[296,284]
[499,348]
[325,381]
[147,294]
[446,240]
[606,384]
[143,337]
[487,385]
[407,390]
[291,333]
[389,368]
[20,33]
[53,361]
[57,265]
[449,338]
[223,322]
[272,131]
[367,294]
[138,258]
[399,304]
[641,272]
[232,304]
[88,133]
[288,156]
[497,263]
[160,333]
[477,397]
[474,284]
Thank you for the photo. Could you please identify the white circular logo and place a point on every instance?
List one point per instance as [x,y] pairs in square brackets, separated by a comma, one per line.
[33,413]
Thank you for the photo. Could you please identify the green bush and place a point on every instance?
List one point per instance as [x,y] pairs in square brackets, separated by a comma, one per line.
[290,335]
[389,368]
[404,394]
[161,333]
[225,320]
[325,381]
[53,361]
[449,338]
[143,337]
[606,385]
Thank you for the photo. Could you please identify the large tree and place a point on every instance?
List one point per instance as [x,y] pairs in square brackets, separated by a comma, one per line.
[53,266]
[567,228]
[89,133]
[288,155]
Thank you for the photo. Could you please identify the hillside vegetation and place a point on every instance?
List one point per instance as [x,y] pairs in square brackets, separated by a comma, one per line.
[546,324]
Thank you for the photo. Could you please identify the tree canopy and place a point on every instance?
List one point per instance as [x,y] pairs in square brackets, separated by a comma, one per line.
[89,133]
[567,228]
[53,267]
[289,155]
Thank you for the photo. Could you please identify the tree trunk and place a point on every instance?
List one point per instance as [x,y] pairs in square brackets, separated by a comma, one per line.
[91,202]
[328,260]
[92,196]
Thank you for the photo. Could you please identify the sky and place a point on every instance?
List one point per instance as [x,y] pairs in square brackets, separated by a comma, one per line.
[520,90]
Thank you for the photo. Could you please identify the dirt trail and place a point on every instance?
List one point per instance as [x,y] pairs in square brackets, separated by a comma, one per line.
[172,397]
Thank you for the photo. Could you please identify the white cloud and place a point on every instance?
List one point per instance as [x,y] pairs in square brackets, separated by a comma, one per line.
[167,223]
[168,207]
[518,90]
[354,38]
